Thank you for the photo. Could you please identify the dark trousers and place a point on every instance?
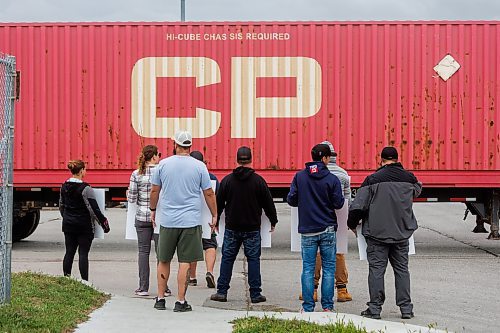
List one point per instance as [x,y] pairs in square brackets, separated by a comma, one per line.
[82,242]
[397,253]
[144,236]
[251,244]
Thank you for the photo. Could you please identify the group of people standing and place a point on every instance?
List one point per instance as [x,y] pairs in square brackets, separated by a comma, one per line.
[171,195]
[383,204]
[168,192]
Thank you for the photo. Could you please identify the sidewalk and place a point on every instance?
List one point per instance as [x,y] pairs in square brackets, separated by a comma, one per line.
[138,315]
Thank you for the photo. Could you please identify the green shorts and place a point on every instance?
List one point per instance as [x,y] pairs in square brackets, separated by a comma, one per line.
[187,242]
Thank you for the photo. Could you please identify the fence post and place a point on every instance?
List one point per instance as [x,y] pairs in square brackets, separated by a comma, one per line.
[7,98]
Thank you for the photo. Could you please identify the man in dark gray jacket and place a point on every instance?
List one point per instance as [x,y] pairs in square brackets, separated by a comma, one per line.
[385,204]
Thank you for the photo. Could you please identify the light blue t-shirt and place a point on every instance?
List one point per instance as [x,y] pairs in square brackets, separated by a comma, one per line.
[180,178]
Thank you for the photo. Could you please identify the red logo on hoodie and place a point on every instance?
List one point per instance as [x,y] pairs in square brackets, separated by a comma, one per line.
[313,168]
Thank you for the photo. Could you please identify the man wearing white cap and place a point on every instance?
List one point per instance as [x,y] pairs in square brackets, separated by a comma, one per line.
[176,183]
[341,274]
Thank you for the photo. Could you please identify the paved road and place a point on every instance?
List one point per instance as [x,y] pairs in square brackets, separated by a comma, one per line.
[455,273]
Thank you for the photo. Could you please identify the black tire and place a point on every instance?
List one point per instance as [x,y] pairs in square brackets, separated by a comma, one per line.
[24,226]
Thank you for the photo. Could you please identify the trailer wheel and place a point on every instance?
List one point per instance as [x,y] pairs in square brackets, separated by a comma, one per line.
[23,226]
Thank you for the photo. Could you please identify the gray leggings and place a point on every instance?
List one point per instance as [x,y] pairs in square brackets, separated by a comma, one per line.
[145,233]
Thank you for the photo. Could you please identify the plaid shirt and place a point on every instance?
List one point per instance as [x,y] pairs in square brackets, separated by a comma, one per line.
[139,192]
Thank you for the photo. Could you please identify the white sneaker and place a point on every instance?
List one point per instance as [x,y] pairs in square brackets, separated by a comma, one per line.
[85,282]
[142,293]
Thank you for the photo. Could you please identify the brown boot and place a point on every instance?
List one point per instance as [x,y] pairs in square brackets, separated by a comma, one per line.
[343,295]
[315,295]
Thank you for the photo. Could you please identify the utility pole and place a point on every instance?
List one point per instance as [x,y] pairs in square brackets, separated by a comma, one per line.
[183,10]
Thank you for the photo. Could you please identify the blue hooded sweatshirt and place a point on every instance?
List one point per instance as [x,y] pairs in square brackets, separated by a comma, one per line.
[317,193]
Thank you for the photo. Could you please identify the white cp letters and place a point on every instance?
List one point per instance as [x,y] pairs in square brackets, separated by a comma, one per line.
[144,119]
[246,107]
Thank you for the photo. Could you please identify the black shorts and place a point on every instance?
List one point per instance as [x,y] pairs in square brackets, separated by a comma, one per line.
[210,243]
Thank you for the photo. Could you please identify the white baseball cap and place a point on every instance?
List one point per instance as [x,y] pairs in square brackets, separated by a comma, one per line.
[183,138]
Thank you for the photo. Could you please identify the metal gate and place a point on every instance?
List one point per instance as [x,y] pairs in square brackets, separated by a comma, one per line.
[7,97]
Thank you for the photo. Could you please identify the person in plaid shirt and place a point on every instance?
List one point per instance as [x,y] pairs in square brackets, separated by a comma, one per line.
[138,192]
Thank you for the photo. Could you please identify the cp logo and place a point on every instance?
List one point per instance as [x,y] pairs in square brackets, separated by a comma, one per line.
[246,106]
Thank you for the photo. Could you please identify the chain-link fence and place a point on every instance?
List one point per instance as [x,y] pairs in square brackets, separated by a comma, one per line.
[7,96]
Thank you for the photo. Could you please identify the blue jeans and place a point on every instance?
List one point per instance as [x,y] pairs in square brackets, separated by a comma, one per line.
[328,249]
[230,248]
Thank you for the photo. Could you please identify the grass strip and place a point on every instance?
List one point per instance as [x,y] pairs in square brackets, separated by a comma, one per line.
[274,325]
[42,303]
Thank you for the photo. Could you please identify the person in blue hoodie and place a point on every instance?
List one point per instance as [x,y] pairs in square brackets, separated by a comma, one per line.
[317,193]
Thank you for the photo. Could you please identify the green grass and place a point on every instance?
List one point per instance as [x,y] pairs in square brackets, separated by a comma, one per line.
[41,303]
[273,325]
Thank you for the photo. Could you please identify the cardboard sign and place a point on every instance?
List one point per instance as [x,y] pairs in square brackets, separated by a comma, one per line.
[100,195]
[265,231]
[342,230]
[362,244]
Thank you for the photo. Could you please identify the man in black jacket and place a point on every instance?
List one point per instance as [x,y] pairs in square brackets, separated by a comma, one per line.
[242,195]
[385,203]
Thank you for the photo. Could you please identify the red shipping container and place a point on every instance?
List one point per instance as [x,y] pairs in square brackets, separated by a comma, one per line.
[99,91]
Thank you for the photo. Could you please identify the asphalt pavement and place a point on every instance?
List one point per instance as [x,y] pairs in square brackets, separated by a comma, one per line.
[454,278]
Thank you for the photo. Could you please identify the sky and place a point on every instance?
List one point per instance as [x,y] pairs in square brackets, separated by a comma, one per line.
[246,10]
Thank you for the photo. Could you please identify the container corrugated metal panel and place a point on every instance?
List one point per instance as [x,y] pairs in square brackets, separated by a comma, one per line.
[100,91]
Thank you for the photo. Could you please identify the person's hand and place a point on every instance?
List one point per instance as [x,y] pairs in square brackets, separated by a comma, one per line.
[213,225]
[105,226]
[153,219]
[273,227]
[213,229]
